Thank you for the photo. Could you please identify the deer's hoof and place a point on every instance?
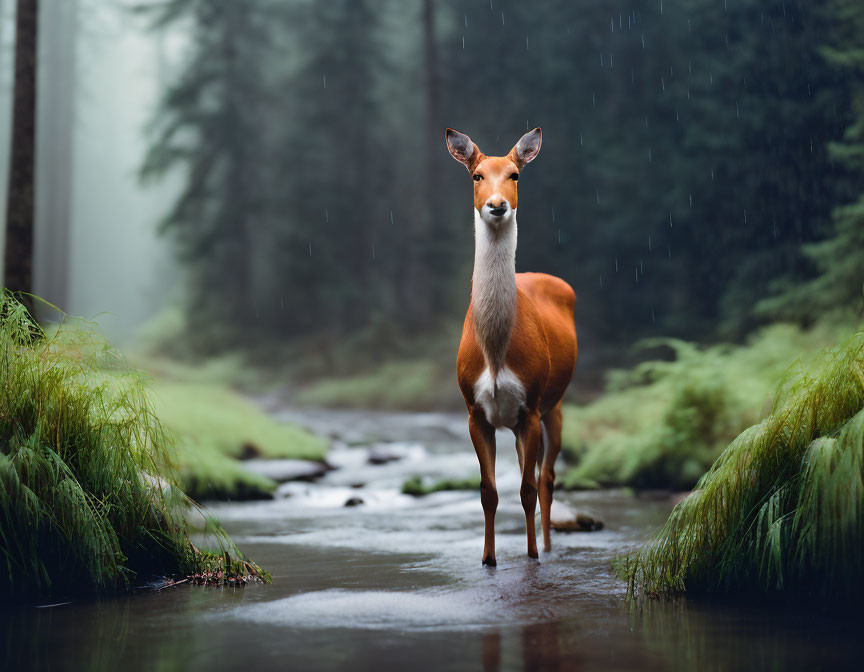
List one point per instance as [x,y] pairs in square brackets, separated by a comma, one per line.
[489,561]
[533,554]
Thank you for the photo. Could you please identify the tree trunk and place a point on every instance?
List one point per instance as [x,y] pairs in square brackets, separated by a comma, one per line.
[18,267]
[54,150]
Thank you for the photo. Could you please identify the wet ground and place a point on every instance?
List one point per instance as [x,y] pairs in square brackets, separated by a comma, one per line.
[396,583]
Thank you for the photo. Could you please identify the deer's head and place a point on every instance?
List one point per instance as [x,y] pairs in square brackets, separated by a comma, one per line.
[495,177]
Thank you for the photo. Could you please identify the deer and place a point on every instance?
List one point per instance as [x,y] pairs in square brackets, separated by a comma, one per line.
[518,347]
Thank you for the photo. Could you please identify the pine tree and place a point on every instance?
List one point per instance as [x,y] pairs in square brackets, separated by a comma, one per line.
[210,126]
[839,257]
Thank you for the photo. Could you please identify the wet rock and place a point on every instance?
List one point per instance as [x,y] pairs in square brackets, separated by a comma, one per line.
[249,451]
[382,455]
[564,518]
[282,471]
[354,501]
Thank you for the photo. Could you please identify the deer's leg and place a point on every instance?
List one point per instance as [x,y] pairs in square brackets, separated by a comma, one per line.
[552,423]
[483,438]
[528,439]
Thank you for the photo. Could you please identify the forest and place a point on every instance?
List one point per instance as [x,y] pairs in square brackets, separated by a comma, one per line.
[237,261]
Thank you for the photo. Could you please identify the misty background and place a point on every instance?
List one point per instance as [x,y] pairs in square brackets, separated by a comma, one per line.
[272,173]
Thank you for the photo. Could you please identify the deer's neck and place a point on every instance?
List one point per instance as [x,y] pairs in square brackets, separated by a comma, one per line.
[493,288]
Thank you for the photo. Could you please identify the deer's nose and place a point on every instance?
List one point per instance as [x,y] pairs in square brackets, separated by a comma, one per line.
[497,208]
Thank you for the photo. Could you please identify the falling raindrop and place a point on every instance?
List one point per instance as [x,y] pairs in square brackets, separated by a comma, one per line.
[502,18]
[282,303]
[466,20]
[670,219]
[649,155]
[559,236]
[616,264]
[373,251]
[649,242]
[326,216]
[745,215]
[601,59]
[643,40]
[594,98]
[463,41]
[325,81]
[691,200]
[597,191]
[601,282]
[669,251]
[653,321]
[637,274]
[310,248]
[553,221]
[526,43]
[391,218]
[662,83]
[661,6]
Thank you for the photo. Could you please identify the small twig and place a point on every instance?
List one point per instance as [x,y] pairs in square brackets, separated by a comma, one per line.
[175,583]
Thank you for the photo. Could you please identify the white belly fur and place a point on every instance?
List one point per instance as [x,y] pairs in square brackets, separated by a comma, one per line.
[501,399]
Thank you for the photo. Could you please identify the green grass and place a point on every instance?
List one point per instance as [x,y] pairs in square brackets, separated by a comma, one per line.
[663,423]
[88,499]
[782,508]
[409,385]
[212,425]
[417,487]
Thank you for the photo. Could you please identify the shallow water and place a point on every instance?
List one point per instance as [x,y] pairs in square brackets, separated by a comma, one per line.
[396,583]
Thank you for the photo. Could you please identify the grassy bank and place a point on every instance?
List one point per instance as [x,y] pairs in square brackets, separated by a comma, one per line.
[663,423]
[212,426]
[782,509]
[88,500]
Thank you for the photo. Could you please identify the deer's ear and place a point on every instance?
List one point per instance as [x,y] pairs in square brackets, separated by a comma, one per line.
[527,149]
[462,148]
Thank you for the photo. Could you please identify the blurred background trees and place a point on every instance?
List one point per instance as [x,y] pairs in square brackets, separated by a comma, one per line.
[699,175]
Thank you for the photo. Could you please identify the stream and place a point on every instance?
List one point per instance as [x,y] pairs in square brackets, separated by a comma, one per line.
[396,583]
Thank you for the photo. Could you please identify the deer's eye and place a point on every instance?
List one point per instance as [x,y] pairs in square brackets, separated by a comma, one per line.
[514,177]
[477,177]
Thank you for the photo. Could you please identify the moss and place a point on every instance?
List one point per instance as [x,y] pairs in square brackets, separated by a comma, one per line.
[212,425]
[782,508]
[662,424]
[88,498]
[417,487]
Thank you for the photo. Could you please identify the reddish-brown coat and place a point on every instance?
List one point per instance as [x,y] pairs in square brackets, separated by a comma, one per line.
[543,346]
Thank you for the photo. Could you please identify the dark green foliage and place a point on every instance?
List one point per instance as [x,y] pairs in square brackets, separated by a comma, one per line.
[87,500]
[685,162]
[837,259]
[782,509]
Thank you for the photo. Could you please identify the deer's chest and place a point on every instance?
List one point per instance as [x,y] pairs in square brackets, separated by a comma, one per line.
[501,398]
